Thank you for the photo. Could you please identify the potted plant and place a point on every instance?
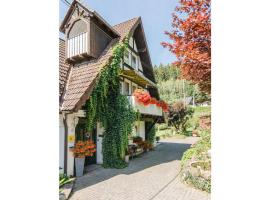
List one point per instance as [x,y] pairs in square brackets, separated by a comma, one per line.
[82,149]
[146,146]
[157,138]
[145,99]
[137,139]
[127,156]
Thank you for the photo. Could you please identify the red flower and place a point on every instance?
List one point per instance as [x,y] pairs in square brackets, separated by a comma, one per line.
[142,96]
[84,148]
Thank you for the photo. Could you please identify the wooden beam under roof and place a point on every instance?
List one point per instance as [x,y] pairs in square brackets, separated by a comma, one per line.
[136,77]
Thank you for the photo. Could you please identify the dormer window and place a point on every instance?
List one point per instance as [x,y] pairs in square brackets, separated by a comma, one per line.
[77,45]
[87,34]
[77,39]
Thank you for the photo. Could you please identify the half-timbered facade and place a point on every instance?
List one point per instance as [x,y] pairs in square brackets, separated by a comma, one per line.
[84,51]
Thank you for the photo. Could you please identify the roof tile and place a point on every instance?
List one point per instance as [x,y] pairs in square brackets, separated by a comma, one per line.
[82,78]
[63,67]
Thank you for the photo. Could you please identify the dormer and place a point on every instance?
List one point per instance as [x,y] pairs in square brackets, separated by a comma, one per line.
[87,34]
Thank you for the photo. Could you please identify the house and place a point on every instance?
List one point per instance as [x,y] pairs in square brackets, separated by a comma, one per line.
[83,53]
[189,101]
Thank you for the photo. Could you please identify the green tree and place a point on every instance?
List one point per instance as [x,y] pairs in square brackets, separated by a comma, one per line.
[178,116]
[173,89]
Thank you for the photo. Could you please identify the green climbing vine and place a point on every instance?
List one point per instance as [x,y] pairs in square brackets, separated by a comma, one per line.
[112,109]
[150,136]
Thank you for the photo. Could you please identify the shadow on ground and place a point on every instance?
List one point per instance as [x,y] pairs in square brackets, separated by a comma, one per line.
[164,153]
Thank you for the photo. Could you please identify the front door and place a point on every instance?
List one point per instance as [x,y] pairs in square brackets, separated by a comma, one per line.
[82,134]
[92,159]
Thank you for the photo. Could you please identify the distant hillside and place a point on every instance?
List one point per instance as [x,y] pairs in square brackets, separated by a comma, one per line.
[172,88]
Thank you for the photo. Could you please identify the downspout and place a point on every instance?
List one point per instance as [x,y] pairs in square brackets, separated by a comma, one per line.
[65,142]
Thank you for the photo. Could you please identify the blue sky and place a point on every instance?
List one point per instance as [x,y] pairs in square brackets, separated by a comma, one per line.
[156,17]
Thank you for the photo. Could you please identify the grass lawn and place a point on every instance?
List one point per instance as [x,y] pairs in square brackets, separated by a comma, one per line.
[198,111]
[164,131]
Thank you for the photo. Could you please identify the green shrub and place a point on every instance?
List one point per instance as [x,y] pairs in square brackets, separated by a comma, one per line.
[198,182]
[187,133]
[179,115]
[193,122]
[64,179]
[188,155]
[163,127]
[150,137]
[199,154]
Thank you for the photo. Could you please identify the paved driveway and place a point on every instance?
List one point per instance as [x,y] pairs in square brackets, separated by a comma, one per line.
[152,176]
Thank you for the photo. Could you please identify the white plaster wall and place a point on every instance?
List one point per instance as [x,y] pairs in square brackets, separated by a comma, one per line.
[61,143]
[141,129]
[72,121]
[100,131]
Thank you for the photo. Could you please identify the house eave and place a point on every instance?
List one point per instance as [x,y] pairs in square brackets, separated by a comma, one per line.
[92,13]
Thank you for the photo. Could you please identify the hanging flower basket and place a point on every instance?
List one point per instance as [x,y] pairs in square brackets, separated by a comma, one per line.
[144,98]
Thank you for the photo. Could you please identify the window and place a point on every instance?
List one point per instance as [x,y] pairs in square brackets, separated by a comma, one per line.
[133,61]
[131,42]
[140,65]
[133,88]
[126,57]
[77,45]
[126,88]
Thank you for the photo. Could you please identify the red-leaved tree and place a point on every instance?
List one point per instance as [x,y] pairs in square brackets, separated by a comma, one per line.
[191,41]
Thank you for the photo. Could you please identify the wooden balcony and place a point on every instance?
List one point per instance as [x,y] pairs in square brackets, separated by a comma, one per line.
[137,77]
[151,109]
[77,47]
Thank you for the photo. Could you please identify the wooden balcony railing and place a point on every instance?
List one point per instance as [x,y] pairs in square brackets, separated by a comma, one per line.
[151,109]
[77,45]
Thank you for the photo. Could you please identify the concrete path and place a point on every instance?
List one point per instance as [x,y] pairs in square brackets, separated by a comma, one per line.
[152,176]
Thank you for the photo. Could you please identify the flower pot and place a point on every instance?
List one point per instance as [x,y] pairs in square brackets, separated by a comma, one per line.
[126,158]
[79,166]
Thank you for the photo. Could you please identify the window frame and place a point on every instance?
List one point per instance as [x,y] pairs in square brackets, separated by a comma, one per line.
[136,62]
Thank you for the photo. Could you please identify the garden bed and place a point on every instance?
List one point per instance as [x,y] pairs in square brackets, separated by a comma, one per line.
[196,164]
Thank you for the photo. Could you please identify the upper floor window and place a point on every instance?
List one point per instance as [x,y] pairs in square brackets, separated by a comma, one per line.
[77,39]
[126,56]
[126,88]
[132,44]
[77,45]
[133,61]
[133,88]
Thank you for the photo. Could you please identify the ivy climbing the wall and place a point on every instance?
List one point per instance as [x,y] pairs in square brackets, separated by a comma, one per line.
[112,109]
[151,134]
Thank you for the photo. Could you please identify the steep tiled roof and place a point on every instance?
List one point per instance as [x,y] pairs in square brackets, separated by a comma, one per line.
[82,78]
[63,67]
[125,27]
